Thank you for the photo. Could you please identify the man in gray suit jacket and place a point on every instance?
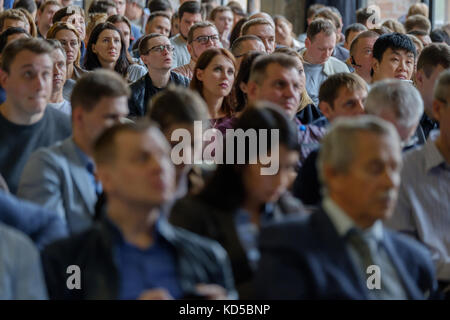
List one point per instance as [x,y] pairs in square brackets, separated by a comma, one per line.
[62,177]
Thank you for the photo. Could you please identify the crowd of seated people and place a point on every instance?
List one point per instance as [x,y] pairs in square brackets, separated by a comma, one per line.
[202,152]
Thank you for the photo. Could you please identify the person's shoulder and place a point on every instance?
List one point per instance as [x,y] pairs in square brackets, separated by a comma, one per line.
[338,65]
[197,242]
[15,241]
[292,229]
[179,79]
[414,161]
[52,114]
[410,249]
[74,244]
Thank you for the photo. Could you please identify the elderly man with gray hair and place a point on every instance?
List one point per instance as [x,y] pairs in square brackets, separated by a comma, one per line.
[424,198]
[400,103]
[343,251]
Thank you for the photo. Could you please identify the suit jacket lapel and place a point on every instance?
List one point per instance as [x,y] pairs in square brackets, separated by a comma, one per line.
[408,282]
[80,175]
[337,251]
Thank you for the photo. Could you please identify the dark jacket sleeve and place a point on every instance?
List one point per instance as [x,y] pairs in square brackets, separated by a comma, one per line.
[136,103]
[307,185]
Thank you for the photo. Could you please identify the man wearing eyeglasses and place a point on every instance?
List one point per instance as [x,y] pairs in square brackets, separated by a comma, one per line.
[156,52]
[201,36]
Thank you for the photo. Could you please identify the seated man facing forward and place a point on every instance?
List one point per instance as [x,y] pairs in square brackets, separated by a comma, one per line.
[132,253]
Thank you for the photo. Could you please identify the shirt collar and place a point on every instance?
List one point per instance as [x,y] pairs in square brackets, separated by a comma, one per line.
[433,157]
[343,223]
[87,161]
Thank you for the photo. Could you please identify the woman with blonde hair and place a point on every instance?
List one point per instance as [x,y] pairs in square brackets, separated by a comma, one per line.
[69,38]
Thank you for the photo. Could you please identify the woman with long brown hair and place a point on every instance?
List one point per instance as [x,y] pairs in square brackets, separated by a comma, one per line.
[213,79]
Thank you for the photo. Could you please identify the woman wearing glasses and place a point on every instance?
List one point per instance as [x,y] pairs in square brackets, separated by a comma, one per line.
[156,52]
[107,49]
[213,79]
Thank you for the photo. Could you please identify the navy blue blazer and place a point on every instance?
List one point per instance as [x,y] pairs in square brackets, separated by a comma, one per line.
[307,259]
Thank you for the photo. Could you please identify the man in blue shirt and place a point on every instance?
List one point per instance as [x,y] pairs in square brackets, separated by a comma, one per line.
[133,253]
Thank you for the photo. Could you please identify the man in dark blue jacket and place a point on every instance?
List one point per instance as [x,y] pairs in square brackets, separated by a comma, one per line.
[343,251]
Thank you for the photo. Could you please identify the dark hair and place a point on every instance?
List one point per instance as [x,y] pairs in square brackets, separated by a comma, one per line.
[101,6]
[37,46]
[439,35]
[143,42]
[8,32]
[177,105]
[158,5]
[242,77]
[394,41]
[191,7]
[95,85]
[363,14]
[92,61]
[202,63]
[432,56]
[66,12]
[354,27]
[225,190]
[236,32]
[28,5]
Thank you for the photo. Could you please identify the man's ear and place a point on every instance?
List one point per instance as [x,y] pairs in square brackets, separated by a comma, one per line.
[3,78]
[252,91]
[190,49]
[419,77]
[375,65]
[307,43]
[77,115]
[437,109]
[144,58]
[326,109]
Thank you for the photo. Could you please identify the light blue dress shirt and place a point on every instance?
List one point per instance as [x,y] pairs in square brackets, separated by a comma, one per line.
[423,207]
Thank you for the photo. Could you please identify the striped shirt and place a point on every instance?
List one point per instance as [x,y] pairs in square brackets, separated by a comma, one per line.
[423,207]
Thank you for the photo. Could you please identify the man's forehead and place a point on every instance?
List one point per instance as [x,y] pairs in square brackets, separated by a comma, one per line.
[206,31]
[191,16]
[161,19]
[345,92]
[399,51]
[158,40]
[26,57]
[261,27]
[276,70]
[151,140]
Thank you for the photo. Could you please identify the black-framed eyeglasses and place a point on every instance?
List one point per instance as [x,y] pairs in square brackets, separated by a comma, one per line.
[205,39]
[161,48]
